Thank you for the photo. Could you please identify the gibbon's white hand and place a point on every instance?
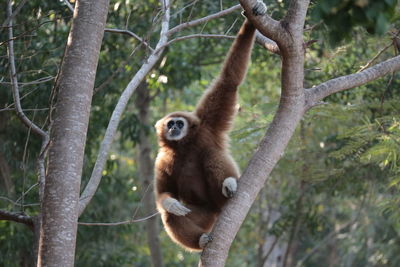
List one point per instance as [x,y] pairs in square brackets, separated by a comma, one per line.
[229,187]
[175,207]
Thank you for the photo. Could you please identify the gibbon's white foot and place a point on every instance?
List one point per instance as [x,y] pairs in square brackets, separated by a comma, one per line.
[205,239]
[229,187]
[175,207]
[259,9]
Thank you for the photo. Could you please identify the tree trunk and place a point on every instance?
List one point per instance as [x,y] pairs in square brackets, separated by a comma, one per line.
[146,173]
[68,134]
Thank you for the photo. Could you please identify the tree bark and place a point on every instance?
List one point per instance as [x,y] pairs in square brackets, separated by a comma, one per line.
[146,173]
[68,134]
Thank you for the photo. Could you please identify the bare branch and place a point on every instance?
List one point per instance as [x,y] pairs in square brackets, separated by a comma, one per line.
[120,223]
[267,43]
[317,93]
[12,16]
[202,20]
[69,5]
[95,178]
[13,76]
[16,217]
[181,38]
[132,34]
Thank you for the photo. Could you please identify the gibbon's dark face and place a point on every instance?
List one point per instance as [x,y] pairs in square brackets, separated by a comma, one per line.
[175,128]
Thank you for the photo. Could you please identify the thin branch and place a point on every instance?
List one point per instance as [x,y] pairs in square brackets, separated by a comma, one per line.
[325,240]
[12,16]
[19,204]
[16,217]
[38,81]
[202,20]
[132,34]
[13,76]
[317,93]
[199,35]
[369,63]
[69,5]
[119,223]
[95,178]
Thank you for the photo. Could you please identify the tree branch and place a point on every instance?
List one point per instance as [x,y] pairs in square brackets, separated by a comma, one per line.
[120,223]
[267,43]
[13,77]
[13,14]
[317,93]
[16,217]
[202,20]
[132,34]
[95,178]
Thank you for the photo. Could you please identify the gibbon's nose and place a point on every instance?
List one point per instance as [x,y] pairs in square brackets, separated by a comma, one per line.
[174,131]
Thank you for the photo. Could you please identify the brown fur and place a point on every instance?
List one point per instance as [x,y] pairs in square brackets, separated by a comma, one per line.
[193,169]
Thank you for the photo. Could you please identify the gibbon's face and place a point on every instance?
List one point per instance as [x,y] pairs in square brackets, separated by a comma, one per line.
[175,128]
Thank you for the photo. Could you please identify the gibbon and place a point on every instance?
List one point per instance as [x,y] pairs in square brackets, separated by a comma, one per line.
[194,172]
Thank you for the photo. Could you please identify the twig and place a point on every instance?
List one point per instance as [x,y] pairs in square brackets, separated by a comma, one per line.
[369,63]
[12,16]
[69,5]
[202,20]
[119,223]
[38,81]
[199,35]
[132,34]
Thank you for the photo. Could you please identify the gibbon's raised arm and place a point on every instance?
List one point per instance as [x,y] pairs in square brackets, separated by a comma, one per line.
[217,106]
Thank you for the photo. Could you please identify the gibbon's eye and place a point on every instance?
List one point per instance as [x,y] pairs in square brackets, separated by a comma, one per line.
[170,124]
[180,124]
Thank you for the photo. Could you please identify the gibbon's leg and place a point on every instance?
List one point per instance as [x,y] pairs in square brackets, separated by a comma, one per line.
[192,230]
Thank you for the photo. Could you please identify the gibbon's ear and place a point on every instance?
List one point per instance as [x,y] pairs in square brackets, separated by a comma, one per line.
[158,126]
[194,121]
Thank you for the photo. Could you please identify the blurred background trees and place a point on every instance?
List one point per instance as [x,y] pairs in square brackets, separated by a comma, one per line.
[332,200]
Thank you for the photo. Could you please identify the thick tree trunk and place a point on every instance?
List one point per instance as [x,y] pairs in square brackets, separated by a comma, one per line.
[146,173]
[68,134]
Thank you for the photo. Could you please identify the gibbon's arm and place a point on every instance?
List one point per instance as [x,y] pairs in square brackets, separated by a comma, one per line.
[217,106]
[165,199]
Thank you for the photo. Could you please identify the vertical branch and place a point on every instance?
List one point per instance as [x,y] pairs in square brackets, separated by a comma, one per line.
[17,102]
[13,77]
[146,173]
[95,178]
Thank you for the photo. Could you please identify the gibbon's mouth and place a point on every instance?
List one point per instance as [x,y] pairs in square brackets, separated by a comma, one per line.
[174,132]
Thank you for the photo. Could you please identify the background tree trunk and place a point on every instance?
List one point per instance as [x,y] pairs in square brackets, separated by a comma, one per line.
[146,173]
[68,134]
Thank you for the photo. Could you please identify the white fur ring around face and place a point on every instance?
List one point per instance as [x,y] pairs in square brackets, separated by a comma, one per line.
[175,207]
[229,187]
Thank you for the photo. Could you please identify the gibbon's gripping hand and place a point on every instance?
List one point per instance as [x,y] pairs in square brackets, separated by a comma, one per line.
[229,187]
[259,9]
[175,207]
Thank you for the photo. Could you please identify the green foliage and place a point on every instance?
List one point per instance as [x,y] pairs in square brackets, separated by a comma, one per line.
[340,17]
